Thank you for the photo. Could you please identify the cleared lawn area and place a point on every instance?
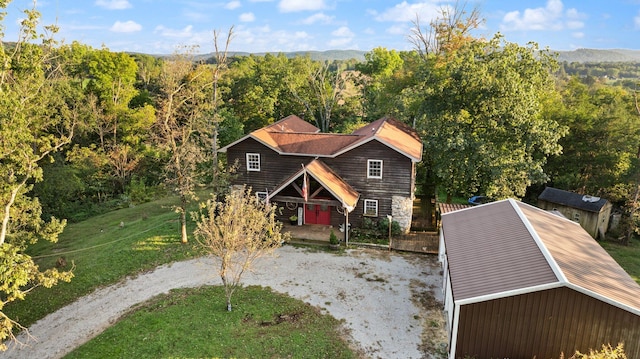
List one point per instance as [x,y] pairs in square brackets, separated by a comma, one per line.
[627,256]
[195,323]
[103,253]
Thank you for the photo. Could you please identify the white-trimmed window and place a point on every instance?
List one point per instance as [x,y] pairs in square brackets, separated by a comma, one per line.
[253,162]
[371,207]
[374,169]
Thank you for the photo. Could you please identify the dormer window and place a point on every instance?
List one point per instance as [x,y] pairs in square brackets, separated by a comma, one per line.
[253,162]
[374,169]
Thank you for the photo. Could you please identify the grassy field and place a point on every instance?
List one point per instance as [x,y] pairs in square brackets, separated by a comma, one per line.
[194,323]
[103,253]
[627,256]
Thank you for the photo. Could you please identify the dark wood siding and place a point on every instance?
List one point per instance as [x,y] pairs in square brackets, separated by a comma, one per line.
[397,172]
[273,168]
[544,324]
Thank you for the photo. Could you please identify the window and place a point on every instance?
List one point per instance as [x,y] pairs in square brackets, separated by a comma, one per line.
[253,162]
[261,195]
[374,169]
[371,207]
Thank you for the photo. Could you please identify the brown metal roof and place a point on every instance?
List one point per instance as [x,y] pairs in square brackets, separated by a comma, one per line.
[450,207]
[293,135]
[509,246]
[317,144]
[333,183]
[490,250]
[292,123]
[581,259]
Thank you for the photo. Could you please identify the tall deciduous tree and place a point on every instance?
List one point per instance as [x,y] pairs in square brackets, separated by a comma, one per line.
[238,231]
[30,130]
[482,123]
[181,127]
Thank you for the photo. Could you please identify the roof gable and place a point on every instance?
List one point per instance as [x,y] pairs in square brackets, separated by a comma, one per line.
[513,230]
[572,199]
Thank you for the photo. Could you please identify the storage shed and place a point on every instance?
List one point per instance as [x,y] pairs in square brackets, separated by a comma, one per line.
[591,212]
[520,282]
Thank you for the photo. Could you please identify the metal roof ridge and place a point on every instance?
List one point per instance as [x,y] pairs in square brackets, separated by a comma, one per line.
[557,270]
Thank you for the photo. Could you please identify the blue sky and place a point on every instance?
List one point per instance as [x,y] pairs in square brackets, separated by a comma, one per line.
[160,26]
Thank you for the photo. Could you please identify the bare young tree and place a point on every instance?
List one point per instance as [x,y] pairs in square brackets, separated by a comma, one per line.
[238,231]
[179,127]
[219,66]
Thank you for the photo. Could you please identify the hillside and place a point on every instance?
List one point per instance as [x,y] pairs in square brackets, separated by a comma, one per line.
[598,55]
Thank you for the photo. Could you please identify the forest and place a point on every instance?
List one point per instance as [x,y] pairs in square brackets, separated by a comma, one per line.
[107,129]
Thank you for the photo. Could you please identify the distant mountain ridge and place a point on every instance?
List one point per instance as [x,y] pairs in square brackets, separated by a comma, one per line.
[314,55]
[578,55]
[599,55]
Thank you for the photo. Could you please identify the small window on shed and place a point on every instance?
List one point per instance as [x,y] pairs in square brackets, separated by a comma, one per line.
[253,162]
[371,207]
[374,169]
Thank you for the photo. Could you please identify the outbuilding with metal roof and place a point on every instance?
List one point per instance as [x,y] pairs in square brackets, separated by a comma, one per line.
[521,282]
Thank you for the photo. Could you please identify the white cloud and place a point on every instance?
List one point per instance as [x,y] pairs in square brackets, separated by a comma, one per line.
[300,5]
[636,21]
[264,39]
[127,26]
[551,17]
[578,35]
[113,4]
[180,33]
[318,18]
[342,32]
[369,31]
[398,30]
[247,17]
[232,5]
[405,12]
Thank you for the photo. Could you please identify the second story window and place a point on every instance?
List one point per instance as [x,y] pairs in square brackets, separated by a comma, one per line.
[253,162]
[374,169]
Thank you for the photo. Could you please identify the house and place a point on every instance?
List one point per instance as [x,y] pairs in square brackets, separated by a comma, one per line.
[328,178]
[521,282]
[591,212]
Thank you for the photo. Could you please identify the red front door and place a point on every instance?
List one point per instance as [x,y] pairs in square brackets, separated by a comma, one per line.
[317,214]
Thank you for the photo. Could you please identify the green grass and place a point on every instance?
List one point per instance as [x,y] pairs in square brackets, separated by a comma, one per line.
[627,256]
[104,253]
[194,323]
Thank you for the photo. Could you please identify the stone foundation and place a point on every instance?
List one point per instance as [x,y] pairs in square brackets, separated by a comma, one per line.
[402,211]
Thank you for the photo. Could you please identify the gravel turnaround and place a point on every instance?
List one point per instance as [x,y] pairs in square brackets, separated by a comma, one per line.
[374,291]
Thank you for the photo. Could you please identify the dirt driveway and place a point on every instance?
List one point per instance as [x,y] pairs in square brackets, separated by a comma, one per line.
[383,298]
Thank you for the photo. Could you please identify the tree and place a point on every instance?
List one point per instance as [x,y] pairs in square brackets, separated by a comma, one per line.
[30,130]
[607,352]
[238,231]
[481,118]
[181,127]
[322,92]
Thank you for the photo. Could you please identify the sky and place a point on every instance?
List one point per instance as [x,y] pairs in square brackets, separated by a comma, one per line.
[164,26]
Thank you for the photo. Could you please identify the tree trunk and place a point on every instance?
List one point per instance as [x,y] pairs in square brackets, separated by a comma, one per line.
[183,218]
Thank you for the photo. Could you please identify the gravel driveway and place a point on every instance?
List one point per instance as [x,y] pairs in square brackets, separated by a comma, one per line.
[377,293]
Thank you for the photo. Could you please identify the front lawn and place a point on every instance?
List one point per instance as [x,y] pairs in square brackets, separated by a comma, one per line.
[194,323]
